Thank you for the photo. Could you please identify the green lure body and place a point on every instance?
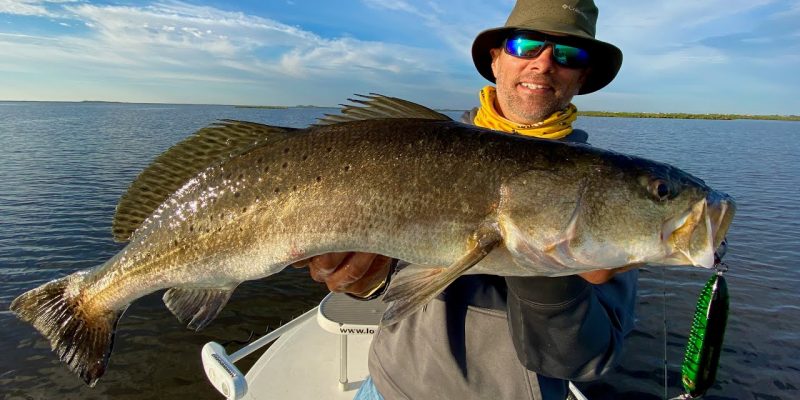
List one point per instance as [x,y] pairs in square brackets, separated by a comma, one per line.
[703,348]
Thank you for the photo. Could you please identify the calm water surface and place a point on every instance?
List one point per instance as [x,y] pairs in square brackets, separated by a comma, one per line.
[63,167]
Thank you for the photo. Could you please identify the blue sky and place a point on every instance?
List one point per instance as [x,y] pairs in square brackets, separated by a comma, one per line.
[728,56]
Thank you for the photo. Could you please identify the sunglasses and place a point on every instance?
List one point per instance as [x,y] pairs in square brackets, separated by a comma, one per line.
[526,45]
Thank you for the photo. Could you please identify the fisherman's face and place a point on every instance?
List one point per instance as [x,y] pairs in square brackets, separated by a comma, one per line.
[530,90]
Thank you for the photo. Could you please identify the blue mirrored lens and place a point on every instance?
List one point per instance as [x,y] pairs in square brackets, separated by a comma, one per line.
[525,48]
[567,56]
[570,56]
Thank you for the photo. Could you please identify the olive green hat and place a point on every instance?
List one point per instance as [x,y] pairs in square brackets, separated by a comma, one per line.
[574,18]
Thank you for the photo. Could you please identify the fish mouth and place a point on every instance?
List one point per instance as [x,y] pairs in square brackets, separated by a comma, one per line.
[693,237]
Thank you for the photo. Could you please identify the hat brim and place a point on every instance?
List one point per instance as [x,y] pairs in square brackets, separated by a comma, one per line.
[606,59]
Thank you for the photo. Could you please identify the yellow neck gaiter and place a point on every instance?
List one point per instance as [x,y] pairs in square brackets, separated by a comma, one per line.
[555,126]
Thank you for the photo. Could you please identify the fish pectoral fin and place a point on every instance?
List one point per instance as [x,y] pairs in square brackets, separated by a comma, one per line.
[198,305]
[412,290]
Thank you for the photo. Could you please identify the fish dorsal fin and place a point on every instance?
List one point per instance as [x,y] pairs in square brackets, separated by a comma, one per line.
[379,106]
[171,170]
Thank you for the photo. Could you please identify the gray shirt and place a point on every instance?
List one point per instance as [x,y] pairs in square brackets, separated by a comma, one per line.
[489,337]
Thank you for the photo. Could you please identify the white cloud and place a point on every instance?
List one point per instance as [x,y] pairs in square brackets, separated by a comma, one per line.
[458,26]
[397,5]
[688,58]
[351,56]
[188,27]
[24,7]
[632,21]
[170,39]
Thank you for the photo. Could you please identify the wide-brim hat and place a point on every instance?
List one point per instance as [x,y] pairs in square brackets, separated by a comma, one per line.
[574,18]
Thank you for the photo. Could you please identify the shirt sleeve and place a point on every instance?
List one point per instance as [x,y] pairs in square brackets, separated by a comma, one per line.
[567,328]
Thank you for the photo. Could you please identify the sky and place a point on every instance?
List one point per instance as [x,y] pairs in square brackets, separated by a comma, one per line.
[710,56]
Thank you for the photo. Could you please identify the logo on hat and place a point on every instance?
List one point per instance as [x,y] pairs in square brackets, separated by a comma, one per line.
[575,10]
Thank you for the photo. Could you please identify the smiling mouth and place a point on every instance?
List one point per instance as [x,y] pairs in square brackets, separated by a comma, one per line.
[534,86]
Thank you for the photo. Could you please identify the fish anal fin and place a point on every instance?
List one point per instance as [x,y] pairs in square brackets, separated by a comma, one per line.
[82,337]
[378,106]
[171,170]
[199,306]
[410,291]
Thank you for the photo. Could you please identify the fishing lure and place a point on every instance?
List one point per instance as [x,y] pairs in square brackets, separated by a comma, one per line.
[703,348]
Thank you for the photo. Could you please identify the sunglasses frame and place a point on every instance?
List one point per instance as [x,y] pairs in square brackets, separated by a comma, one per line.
[546,40]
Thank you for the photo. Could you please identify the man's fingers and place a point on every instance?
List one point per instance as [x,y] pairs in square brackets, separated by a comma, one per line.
[350,272]
[351,269]
[602,276]
[374,276]
[302,263]
[322,266]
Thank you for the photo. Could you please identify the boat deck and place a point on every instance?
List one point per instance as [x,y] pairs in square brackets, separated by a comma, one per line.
[305,362]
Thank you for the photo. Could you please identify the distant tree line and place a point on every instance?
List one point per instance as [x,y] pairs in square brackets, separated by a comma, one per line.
[687,115]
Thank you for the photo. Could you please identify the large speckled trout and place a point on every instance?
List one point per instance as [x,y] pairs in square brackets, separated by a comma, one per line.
[240,201]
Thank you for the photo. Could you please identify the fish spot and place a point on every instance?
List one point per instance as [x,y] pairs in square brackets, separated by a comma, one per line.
[319,179]
[329,149]
[294,188]
[241,176]
[228,176]
[286,151]
[277,190]
[346,168]
[191,228]
[175,242]
[286,164]
[244,209]
[305,157]
[266,169]
[236,194]
[260,160]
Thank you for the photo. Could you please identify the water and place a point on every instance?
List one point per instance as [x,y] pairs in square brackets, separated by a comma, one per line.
[63,167]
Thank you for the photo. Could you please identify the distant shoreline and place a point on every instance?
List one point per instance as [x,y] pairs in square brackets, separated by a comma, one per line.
[607,114]
[281,107]
[611,114]
[687,116]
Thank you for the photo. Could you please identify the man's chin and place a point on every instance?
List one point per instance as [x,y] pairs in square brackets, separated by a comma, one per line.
[535,113]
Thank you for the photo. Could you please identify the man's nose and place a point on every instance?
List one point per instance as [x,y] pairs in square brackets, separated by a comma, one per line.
[543,63]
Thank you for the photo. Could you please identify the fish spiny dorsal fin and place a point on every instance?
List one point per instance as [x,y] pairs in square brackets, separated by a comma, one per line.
[171,170]
[377,106]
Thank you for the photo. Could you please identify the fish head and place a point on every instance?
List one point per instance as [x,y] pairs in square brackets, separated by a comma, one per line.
[609,211]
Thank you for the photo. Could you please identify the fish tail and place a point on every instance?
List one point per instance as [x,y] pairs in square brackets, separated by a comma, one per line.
[81,336]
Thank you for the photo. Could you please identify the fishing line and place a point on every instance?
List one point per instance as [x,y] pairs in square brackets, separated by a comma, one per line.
[664,314]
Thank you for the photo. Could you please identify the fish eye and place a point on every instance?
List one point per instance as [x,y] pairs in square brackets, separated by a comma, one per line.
[660,189]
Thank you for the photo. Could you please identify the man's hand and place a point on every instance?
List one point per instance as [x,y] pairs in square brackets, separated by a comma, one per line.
[355,273]
[361,273]
[602,276]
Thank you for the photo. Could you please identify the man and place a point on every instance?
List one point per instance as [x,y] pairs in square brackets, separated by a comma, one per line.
[495,337]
